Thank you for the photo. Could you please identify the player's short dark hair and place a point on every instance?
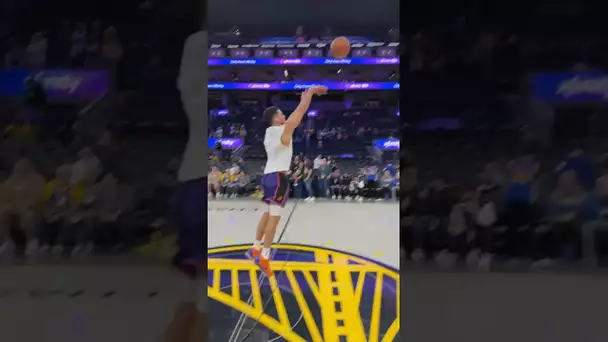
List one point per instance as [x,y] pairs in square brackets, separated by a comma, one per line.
[269,113]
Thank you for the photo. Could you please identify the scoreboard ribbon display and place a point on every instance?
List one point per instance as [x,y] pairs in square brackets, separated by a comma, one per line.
[303,85]
[304,61]
[314,51]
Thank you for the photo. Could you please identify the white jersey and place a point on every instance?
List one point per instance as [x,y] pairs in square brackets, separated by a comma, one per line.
[279,155]
[192,83]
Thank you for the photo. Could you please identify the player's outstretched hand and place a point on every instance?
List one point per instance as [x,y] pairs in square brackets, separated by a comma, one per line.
[319,90]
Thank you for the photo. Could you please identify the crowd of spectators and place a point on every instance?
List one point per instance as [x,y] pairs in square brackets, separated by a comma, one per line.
[76,45]
[79,203]
[516,183]
[320,177]
[530,208]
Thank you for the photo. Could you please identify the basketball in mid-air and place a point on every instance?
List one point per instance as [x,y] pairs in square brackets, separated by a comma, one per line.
[340,47]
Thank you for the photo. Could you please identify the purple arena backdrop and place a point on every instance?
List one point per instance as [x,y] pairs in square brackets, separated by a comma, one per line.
[304,85]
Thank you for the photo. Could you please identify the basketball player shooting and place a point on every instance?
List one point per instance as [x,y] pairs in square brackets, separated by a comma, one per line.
[275,183]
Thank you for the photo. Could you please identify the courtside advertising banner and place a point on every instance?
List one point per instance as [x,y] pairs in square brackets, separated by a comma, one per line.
[59,84]
[227,143]
[571,87]
[387,144]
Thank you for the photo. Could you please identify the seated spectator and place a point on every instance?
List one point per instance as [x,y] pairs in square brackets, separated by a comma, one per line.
[355,189]
[486,218]
[334,185]
[323,171]
[370,178]
[582,165]
[78,230]
[460,229]
[307,181]
[229,184]
[109,151]
[570,206]
[234,169]
[521,210]
[159,202]
[214,179]
[387,186]
[87,166]
[296,179]
[61,199]
[110,204]
[391,169]
[242,184]
[23,193]
[397,185]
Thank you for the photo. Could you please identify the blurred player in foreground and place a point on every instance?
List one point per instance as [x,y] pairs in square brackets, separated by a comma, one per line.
[275,182]
[189,323]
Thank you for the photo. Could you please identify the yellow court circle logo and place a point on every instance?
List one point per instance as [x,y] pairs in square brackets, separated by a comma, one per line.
[317,294]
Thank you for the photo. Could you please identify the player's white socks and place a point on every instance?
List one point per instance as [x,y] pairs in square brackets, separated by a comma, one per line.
[257,244]
[266,253]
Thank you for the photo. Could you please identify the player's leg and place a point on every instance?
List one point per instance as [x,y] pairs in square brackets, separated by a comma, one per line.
[268,189]
[198,329]
[274,216]
[179,326]
[254,252]
[189,323]
[276,192]
[190,225]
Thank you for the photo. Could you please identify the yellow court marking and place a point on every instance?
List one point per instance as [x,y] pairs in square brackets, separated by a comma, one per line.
[338,299]
[278,301]
[374,332]
[308,319]
[258,315]
[255,290]
[236,286]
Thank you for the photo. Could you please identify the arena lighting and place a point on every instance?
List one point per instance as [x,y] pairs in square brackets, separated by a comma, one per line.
[222,112]
[303,85]
[313,113]
[397,113]
[304,61]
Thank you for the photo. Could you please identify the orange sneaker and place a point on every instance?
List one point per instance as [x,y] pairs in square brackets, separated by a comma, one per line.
[253,253]
[264,265]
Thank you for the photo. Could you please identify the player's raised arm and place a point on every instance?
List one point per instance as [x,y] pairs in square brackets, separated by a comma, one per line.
[296,117]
